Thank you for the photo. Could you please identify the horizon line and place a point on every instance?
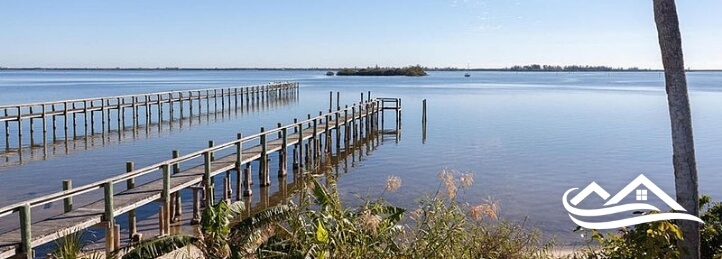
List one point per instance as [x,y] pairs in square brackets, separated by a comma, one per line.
[611,69]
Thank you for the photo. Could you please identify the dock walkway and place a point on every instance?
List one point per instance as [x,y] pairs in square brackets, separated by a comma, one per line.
[310,140]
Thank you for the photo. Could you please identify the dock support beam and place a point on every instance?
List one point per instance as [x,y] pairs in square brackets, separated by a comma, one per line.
[130,184]
[108,217]
[26,248]
[67,202]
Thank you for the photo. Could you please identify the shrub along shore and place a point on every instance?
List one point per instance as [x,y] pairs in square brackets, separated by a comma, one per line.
[314,223]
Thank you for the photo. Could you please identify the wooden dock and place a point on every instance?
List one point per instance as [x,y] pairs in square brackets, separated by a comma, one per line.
[307,142]
[132,111]
[62,145]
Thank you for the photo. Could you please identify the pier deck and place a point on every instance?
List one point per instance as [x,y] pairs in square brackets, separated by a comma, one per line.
[353,123]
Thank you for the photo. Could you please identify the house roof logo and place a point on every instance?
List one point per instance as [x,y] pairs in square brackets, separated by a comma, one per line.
[611,207]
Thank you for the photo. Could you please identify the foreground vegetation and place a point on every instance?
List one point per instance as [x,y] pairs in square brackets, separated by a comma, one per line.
[317,224]
[388,71]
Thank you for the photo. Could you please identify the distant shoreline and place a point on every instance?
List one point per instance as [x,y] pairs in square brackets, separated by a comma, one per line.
[324,69]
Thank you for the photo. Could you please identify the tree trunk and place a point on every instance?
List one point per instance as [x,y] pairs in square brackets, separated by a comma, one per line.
[685,166]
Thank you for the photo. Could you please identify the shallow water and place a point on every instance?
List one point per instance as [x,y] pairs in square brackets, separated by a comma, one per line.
[527,137]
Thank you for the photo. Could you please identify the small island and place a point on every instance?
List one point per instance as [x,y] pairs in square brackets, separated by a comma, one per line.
[389,71]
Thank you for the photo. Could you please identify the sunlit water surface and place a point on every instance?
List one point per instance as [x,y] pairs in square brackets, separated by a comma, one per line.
[527,137]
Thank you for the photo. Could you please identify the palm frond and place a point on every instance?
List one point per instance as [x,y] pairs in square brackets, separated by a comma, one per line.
[158,247]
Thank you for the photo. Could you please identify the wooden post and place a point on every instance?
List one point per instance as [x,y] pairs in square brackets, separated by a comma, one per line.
[208,101]
[314,148]
[278,126]
[190,103]
[345,126]
[330,101]
[239,160]
[130,184]
[135,112]
[67,202]
[55,124]
[196,206]
[215,100]
[247,182]
[423,113]
[7,130]
[160,110]
[210,145]
[337,127]
[171,109]
[200,104]
[353,122]
[26,235]
[207,179]
[300,145]
[263,161]
[180,103]
[282,156]
[45,129]
[116,236]
[108,217]
[227,183]
[147,111]
[20,129]
[327,133]
[32,128]
[367,116]
[176,203]
[119,110]
[75,123]
[165,197]
[338,101]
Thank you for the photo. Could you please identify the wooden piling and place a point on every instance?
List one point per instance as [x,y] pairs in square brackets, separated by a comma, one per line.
[165,198]
[32,129]
[67,202]
[196,205]
[208,185]
[282,155]
[7,130]
[176,203]
[108,218]
[263,161]
[247,181]
[299,130]
[239,160]
[130,184]
[26,232]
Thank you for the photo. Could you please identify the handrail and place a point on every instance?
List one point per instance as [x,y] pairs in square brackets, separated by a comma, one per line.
[284,83]
[6,210]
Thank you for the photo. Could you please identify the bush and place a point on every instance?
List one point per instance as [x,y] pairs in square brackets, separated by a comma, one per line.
[658,239]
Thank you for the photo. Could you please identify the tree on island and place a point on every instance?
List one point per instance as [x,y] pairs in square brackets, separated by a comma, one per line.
[386,71]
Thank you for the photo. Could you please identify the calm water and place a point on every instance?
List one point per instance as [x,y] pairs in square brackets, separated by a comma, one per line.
[528,137]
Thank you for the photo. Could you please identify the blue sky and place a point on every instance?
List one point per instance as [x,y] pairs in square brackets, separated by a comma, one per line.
[482,33]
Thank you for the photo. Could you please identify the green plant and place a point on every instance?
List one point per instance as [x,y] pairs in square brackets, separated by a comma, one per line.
[71,247]
[213,243]
[711,245]
[657,239]
[316,224]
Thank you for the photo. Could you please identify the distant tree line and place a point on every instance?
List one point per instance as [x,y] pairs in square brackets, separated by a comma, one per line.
[537,67]
[383,71]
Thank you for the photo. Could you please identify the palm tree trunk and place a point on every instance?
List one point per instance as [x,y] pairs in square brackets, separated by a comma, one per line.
[685,166]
